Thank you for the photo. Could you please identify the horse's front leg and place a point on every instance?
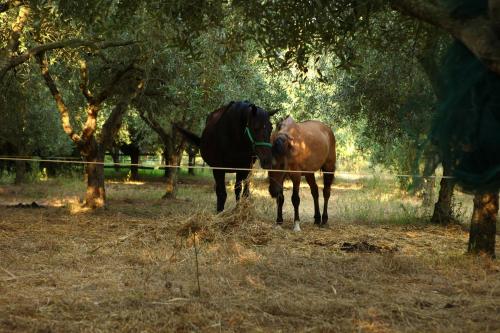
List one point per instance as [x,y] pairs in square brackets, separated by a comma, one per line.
[296,201]
[220,189]
[276,190]
[241,177]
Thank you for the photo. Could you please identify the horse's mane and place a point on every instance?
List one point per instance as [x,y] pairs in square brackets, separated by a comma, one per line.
[216,114]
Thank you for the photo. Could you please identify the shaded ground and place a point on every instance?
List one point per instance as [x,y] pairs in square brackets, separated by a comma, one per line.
[132,267]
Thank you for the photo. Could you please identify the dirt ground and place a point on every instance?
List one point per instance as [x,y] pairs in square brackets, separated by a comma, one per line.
[151,265]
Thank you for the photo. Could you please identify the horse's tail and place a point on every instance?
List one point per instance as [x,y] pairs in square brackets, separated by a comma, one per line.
[191,137]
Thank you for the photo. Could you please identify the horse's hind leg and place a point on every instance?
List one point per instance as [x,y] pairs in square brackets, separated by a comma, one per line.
[327,183]
[241,177]
[220,189]
[315,194]
[296,201]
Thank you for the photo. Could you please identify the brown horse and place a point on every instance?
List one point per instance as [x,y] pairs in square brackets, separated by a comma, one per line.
[305,147]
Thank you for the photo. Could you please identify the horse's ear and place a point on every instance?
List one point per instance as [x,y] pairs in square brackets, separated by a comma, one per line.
[273,112]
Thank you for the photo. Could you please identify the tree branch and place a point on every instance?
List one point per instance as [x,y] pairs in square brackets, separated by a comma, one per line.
[95,102]
[16,29]
[427,12]
[61,106]
[428,59]
[477,34]
[154,125]
[114,121]
[108,90]
[70,43]
[494,14]
[84,84]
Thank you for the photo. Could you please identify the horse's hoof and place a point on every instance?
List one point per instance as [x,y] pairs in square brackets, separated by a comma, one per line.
[278,226]
[317,221]
[296,227]
[324,225]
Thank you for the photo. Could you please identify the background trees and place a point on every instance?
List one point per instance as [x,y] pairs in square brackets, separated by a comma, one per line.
[336,26]
[374,74]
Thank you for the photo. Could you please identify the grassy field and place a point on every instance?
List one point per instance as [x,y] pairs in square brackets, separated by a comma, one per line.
[135,266]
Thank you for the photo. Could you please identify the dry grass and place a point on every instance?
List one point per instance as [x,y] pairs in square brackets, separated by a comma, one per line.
[131,267]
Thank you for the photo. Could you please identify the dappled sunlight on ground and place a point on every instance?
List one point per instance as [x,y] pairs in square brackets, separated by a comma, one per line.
[60,202]
[347,186]
[76,207]
[125,182]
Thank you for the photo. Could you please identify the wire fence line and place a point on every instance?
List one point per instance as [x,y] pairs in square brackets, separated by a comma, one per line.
[206,167]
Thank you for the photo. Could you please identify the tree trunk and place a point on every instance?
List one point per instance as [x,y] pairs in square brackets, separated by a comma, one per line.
[428,191]
[424,186]
[443,212]
[483,224]
[135,155]
[171,174]
[50,168]
[192,160]
[115,155]
[20,172]
[95,196]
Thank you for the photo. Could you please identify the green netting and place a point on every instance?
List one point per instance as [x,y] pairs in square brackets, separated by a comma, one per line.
[467,127]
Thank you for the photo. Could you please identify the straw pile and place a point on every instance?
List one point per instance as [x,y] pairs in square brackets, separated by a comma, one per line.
[239,223]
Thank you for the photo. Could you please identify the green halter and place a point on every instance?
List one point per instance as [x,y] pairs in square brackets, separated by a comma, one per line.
[256,143]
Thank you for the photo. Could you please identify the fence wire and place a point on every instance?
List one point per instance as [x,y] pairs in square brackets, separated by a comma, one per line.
[206,167]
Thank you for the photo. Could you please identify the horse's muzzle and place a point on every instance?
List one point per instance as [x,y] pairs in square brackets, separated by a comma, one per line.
[266,163]
[265,157]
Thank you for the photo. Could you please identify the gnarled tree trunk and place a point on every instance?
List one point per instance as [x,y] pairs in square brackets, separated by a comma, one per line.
[91,149]
[134,152]
[20,172]
[95,196]
[443,212]
[428,184]
[483,224]
[171,174]
[115,155]
[135,156]
[191,159]
[172,151]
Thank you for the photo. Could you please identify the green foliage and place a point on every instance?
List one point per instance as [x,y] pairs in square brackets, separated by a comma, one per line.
[28,121]
[391,96]
[293,32]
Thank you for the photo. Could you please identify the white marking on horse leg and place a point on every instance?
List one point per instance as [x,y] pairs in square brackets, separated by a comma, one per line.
[296,226]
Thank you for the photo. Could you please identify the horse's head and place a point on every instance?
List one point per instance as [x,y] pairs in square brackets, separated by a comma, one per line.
[282,143]
[258,131]
[281,148]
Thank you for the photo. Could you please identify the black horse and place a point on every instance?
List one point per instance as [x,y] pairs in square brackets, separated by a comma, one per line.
[233,136]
